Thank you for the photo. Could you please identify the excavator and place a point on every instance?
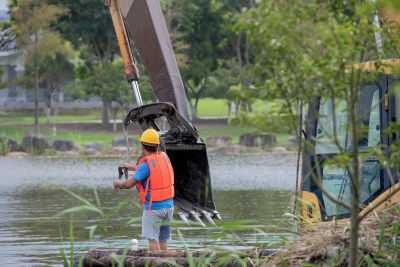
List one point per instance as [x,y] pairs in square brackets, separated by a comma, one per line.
[143,22]
[379,107]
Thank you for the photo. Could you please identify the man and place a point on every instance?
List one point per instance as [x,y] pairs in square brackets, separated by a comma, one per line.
[155,178]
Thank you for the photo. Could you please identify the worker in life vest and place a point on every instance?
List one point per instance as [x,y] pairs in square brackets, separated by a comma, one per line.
[155,178]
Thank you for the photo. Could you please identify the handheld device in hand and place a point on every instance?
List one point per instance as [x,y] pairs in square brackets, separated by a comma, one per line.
[122,171]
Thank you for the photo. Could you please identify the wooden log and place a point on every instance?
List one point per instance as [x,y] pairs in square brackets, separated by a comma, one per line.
[97,258]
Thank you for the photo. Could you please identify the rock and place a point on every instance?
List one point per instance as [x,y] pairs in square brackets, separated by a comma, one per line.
[292,141]
[91,152]
[95,146]
[218,140]
[279,149]
[121,141]
[257,139]
[332,251]
[246,139]
[35,143]
[7,145]
[12,144]
[69,153]
[18,154]
[223,150]
[63,145]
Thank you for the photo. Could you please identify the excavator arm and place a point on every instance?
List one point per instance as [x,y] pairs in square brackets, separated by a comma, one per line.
[144,21]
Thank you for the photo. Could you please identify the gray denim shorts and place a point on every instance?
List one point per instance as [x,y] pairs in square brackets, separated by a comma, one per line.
[153,224]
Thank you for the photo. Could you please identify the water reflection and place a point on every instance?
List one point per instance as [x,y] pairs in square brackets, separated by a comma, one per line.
[255,187]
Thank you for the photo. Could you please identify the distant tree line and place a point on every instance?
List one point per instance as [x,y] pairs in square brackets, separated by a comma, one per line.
[211,49]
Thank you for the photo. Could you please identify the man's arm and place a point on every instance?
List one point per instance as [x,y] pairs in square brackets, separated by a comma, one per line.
[128,166]
[125,184]
[141,173]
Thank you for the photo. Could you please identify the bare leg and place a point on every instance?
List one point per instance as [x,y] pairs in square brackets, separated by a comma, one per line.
[163,245]
[154,245]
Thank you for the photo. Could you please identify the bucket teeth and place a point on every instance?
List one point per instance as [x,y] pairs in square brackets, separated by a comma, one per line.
[196,217]
[182,217]
[216,215]
[207,216]
[187,211]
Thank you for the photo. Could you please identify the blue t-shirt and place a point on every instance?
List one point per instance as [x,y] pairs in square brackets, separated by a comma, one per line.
[142,174]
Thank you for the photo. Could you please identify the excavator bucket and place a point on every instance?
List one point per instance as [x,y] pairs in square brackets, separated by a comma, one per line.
[187,152]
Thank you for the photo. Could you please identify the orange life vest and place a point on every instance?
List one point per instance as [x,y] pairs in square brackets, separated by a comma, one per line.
[161,179]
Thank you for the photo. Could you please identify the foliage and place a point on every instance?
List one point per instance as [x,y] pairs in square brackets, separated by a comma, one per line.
[52,72]
[309,50]
[4,146]
[2,83]
[174,18]
[35,18]
[202,24]
[106,81]
[33,21]
[226,231]
[89,24]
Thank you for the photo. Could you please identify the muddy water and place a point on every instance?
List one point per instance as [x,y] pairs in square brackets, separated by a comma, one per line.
[252,187]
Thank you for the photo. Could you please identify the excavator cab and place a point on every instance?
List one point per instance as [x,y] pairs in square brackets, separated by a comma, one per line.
[187,151]
[378,107]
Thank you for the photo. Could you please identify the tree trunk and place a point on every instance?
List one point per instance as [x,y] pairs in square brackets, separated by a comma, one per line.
[229,110]
[37,129]
[192,108]
[57,105]
[48,111]
[198,94]
[115,111]
[355,174]
[353,261]
[250,106]
[48,90]
[237,105]
[106,112]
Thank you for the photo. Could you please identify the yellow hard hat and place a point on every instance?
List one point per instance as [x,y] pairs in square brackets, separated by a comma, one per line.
[150,136]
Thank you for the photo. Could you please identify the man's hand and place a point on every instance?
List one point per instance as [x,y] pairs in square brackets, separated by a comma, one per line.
[129,167]
[117,183]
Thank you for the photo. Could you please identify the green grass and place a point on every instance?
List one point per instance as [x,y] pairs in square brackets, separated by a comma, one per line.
[24,118]
[209,107]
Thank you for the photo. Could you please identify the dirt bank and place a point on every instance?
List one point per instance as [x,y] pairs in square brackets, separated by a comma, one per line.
[328,244]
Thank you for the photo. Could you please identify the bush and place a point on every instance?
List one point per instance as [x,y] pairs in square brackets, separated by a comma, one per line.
[4,147]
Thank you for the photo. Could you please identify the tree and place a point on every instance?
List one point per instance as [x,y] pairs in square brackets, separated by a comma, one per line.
[236,44]
[2,83]
[89,28]
[52,72]
[174,19]
[202,25]
[89,24]
[33,28]
[310,49]
[108,82]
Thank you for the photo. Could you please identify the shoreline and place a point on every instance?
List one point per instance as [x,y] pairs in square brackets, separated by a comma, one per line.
[21,154]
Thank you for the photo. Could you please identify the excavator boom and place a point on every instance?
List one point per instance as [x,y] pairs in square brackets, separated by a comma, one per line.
[144,20]
[146,25]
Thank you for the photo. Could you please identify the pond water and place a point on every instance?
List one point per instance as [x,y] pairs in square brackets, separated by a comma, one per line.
[254,187]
